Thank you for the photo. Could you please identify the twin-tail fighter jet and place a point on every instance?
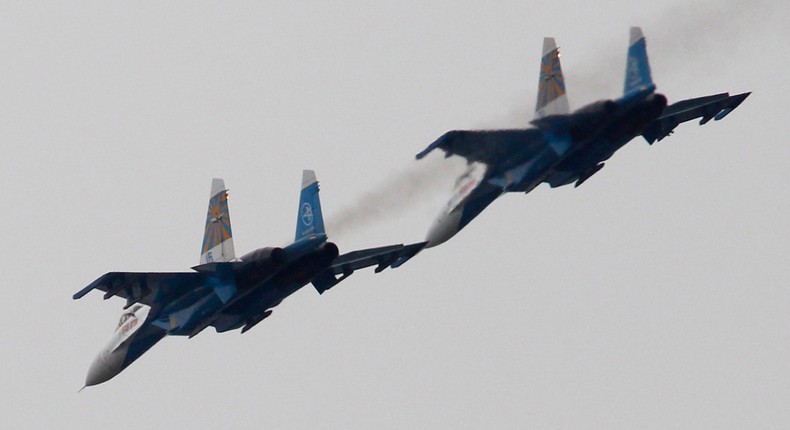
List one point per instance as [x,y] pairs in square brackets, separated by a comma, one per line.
[223,291]
[562,147]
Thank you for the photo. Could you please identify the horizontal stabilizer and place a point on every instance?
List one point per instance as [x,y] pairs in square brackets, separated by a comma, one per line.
[733,103]
[408,254]
[346,264]
[355,260]
[714,107]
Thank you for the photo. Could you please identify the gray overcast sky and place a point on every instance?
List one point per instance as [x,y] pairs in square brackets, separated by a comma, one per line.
[655,296]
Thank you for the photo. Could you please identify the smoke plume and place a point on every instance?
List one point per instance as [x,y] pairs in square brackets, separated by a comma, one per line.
[398,193]
[699,31]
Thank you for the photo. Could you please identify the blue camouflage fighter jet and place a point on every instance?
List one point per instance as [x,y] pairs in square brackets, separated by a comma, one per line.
[562,147]
[223,291]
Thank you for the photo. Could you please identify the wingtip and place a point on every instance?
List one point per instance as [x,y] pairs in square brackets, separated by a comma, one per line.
[81,293]
[411,251]
[742,96]
[422,154]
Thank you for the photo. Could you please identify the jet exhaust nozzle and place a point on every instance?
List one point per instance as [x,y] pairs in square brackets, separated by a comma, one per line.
[264,261]
[330,251]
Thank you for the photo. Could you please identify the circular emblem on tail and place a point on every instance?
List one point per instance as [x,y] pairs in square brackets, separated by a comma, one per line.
[307,214]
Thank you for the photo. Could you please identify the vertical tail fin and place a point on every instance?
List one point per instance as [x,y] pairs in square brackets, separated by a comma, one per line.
[309,220]
[637,68]
[217,237]
[551,84]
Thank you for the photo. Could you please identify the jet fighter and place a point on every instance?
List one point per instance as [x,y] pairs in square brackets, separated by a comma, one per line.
[223,291]
[562,147]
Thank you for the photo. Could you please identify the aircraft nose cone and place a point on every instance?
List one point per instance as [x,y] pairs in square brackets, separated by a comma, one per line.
[443,228]
[104,367]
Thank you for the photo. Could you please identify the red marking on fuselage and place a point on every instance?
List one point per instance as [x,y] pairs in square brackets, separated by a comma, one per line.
[465,189]
[129,325]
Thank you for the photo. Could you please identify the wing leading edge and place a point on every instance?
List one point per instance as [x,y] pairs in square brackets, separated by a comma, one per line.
[152,289]
[487,146]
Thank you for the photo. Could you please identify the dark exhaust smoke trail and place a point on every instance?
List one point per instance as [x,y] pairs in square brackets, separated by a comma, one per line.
[399,193]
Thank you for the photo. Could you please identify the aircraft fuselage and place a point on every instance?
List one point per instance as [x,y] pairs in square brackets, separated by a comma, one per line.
[626,120]
[562,148]
[259,286]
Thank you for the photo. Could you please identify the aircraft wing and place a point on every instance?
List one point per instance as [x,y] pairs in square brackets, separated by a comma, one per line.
[152,289]
[486,146]
[346,264]
[714,107]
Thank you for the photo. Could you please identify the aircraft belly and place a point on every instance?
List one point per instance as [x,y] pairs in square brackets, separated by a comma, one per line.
[530,175]
[256,302]
[182,321]
[600,146]
[586,158]
[269,294]
[236,316]
[255,295]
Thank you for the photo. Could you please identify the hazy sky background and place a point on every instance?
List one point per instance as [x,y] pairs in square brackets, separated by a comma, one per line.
[654,296]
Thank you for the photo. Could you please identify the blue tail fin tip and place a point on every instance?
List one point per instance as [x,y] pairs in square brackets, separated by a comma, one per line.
[309,220]
[637,68]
